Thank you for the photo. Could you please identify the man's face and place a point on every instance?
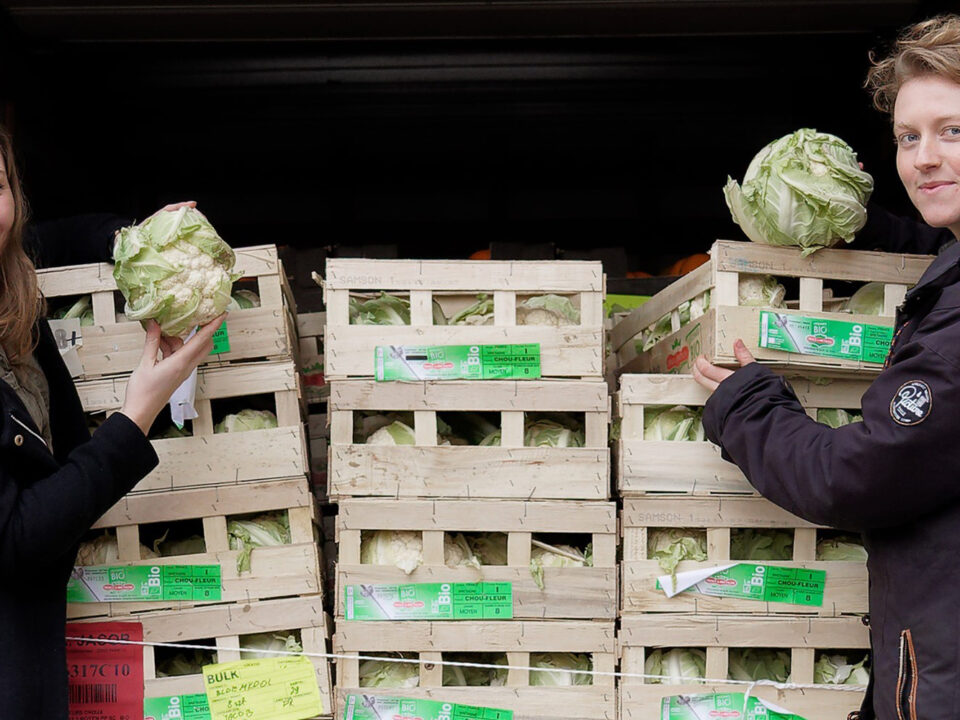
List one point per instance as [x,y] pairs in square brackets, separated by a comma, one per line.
[926,126]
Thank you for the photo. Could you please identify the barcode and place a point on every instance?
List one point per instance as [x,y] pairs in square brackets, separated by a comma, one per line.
[99,693]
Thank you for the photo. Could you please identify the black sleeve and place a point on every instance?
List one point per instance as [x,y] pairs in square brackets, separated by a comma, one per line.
[42,522]
[886,231]
[869,474]
[73,240]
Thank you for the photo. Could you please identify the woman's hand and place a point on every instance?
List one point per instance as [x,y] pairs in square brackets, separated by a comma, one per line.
[173,207]
[153,382]
[710,376]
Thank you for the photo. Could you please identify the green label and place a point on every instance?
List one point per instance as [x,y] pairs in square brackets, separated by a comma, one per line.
[825,338]
[429,601]
[721,705]
[177,707]
[368,707]
[221,340]
[766,583]
[457,362]
[103,583]
[613,303]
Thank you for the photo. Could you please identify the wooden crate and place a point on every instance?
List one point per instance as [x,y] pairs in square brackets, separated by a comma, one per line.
[114,345]
[209,458]
[645,467]
[714,333]
[717,634]
[846,585]
[570,592]
[573,351]
[280,571]
[516,639]
[460,471]
[225,624]
[310,336]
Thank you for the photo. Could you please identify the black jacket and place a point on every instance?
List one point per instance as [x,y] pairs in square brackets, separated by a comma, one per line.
[47,502]
[893,477]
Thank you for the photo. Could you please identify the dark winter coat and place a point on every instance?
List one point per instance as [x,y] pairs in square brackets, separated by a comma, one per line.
[893,477]
[49,500]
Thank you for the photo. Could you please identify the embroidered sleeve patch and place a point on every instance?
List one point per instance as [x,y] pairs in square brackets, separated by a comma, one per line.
[912,403]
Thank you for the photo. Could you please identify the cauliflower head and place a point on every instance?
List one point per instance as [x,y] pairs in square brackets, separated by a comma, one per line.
[175,268]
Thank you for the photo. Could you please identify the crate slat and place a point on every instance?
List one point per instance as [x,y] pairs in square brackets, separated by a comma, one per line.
[642,702]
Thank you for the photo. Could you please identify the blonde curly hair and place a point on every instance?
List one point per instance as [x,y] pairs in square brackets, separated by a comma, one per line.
[931,47]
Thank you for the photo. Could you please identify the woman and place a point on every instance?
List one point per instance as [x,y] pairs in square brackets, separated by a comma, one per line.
[55,479]
[896,476]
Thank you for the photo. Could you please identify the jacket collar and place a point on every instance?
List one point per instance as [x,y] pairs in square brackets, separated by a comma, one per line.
[940,273]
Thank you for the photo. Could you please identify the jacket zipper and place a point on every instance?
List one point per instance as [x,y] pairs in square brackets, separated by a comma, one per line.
[907,679]
[25,427]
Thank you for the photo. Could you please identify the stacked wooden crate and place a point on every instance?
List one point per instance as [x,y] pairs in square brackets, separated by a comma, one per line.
[205,478]
[441,490]
[687,485]
[725,319]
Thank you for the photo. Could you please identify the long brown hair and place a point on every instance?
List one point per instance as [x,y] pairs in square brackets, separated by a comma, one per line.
[20,301]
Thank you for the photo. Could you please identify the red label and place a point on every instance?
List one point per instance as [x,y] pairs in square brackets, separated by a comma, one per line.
[105,679]
[678,358]
[720,581]
[817,340]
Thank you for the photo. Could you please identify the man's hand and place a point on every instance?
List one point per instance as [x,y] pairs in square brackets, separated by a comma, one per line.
[710,376]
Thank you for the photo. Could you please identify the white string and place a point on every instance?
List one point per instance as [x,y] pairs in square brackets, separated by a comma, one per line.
[411,661]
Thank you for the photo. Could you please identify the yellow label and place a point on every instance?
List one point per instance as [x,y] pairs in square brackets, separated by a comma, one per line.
[283,688]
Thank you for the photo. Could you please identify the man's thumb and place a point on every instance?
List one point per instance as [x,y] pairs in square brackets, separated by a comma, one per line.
[742,354]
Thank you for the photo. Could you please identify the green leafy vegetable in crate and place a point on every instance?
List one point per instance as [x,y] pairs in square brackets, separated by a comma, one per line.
[676,666]
[81,309]
[761,544]
[670,546]
[672,423]
[269,530]
[750,664]
[555,310]
[386,674]
[553,669]
[838,670]
[247,419]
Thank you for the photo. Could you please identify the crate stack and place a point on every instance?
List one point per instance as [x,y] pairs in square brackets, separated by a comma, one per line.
[205,479]
[687,485]
[441,490]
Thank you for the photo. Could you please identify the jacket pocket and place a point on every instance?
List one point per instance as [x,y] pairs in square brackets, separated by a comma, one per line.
[907,679]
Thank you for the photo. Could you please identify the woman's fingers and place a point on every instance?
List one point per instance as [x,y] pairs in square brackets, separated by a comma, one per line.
[201,344]
[172,207]
[152,344]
